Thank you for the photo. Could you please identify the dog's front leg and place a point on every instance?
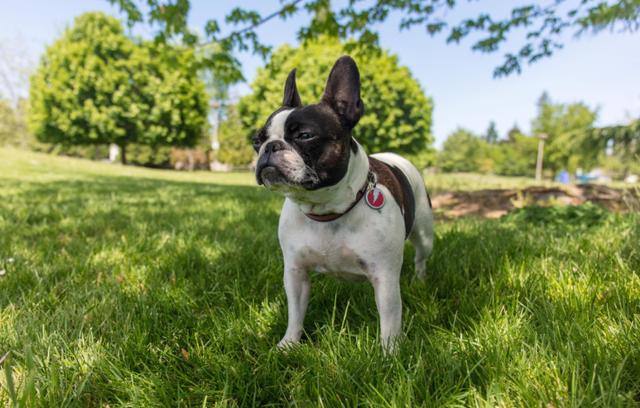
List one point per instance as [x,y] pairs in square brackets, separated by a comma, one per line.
[389,303]
[297,286]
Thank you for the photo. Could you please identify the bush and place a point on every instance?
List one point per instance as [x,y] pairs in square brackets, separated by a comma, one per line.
[518,156]
[465,152]
[13,126]
[96,86]
[235,148]
[190,159]
[149,156]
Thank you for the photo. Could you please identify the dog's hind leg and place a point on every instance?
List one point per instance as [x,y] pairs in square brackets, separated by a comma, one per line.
[422,235]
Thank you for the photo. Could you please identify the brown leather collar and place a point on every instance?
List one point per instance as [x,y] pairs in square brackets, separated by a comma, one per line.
[391,177]
[334,216]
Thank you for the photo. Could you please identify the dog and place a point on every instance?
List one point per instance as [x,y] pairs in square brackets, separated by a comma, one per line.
[345,214]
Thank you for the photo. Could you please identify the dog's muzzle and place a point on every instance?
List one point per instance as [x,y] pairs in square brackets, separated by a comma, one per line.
[267,167]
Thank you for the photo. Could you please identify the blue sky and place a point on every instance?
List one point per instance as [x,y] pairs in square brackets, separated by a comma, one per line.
[602,71]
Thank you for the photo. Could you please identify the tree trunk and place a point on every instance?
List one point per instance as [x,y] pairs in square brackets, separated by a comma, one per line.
[123,154]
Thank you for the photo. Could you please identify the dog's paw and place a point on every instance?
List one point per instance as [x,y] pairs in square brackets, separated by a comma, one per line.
[419,279]
[421,274]
[391,345]
[287,343]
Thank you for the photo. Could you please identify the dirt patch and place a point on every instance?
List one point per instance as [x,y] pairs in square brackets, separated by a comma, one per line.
[498,202]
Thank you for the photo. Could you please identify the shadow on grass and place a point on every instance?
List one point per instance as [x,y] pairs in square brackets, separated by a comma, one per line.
[178,286]
[204,240]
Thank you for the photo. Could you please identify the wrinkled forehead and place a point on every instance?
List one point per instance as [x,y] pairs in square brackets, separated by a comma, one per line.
[314,117]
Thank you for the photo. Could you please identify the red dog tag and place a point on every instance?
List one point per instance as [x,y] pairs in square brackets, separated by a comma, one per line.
[375,198]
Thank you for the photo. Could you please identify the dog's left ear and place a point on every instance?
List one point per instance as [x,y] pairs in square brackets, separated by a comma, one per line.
[342,92]
[291,97]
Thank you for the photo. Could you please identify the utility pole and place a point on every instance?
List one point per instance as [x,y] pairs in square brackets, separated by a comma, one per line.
[216,107]
[542,137]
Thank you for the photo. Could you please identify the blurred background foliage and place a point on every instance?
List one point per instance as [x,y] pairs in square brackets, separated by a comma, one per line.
[572,143]
[96,86]
[166,101]
[13,125]
[538,26]
[235,148]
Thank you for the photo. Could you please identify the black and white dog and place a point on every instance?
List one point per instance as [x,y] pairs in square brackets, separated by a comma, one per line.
[345,214]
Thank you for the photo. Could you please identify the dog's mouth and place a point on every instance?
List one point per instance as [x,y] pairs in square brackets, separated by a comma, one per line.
[270,175]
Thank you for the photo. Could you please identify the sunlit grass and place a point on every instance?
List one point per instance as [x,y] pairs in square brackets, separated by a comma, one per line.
[134,287]
[18,164]
[41,167]
[439,182]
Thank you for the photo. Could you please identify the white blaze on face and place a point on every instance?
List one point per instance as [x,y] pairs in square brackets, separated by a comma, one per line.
[293,166]
[276,128]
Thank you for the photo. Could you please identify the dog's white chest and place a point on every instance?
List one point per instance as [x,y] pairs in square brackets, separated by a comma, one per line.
[350,248]
[336,259]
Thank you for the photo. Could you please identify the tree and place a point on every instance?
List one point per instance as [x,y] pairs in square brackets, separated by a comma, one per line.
[397,113]
[8,123]
[539,28]
[564,124]
[517,155]
[513,132]
[13,125]
[235,148]
[96,86]
[15,68]
[463,152]
[623,143]
[492,134]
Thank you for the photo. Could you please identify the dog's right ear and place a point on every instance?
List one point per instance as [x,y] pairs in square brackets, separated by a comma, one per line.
[291,97]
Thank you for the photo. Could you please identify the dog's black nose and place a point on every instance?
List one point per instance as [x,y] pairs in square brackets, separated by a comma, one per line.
[274,146]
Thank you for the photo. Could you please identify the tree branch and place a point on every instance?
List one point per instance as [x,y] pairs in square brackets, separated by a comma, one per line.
[254,25]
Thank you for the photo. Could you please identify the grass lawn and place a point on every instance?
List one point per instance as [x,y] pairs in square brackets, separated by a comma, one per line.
[135,287]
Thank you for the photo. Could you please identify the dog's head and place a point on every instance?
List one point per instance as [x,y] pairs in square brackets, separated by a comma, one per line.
[308,147]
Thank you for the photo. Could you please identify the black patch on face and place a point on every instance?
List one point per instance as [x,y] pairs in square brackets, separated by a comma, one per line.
[315,132]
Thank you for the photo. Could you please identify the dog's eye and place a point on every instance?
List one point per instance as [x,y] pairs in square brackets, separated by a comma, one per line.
[305,136]
[257,141]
